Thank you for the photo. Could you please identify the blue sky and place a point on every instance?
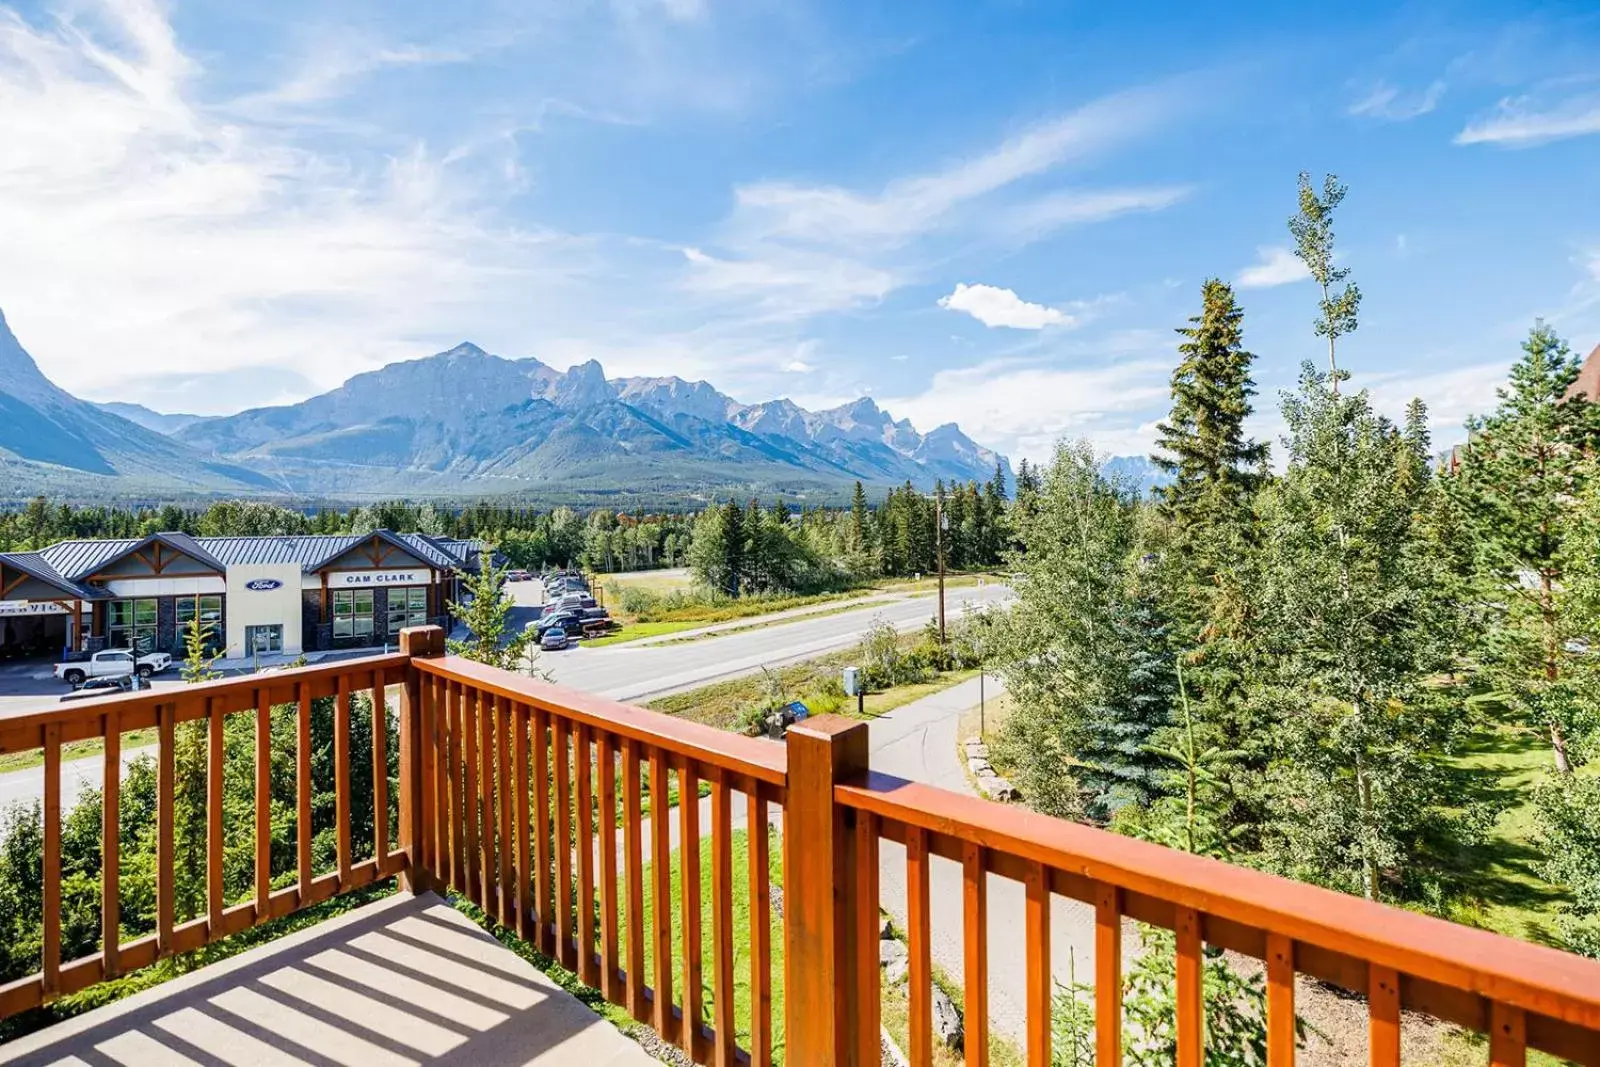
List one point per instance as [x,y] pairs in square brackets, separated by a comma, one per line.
[993,214]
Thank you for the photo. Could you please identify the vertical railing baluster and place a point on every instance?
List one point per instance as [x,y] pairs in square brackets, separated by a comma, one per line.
[920,969]
[543,859]
[1107,971]
[165,779]
[302,786]
[975,954]
[426,760]
[489,873]
[472,859]
[526,927]
[502,747]
[51,872]
[760,928]
[1191,994]
[455,772]
[380,772]
[215,750]
[438,711]
[1038,977]
[662,1018]
[583,767]
[341,777]
[633,847]
[111,849]
[1280,1001]
[263,807]
[1383,1016]
[606,818]
[565,951]
[689,888]
[869,924]
[722,919]
[1508,1036]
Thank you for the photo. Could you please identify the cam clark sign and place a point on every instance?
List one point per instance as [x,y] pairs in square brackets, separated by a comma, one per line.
[347,579]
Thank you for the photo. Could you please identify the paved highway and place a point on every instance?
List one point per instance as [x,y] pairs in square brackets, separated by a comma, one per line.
[621,672]
[637,673]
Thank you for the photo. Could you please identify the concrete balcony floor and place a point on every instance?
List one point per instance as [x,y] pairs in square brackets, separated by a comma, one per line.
[406,980]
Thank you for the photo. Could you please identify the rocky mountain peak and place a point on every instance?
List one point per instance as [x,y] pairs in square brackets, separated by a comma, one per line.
[584,385]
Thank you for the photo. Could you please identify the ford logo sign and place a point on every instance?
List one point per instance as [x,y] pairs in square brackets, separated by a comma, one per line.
[263,585]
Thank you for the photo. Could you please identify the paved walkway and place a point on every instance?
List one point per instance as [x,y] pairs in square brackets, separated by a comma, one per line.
[918,742]
[404,981]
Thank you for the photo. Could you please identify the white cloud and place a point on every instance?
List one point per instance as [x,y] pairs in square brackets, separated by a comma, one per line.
[994,306]
[1522,123]
[1023,409]
[1071,207]
[150,233]
[1390,104]
[798,366]
[1275,265]
[905,207]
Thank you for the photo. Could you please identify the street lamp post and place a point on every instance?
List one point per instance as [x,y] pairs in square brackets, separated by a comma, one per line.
[941,523]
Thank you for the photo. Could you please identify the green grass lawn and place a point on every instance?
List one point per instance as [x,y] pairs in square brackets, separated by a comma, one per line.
[638,631]
[1495,883]
[19,761]
[741,933]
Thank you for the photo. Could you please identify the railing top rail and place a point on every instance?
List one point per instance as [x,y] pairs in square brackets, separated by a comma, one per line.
[279,682]
[1537,979]
[759,759]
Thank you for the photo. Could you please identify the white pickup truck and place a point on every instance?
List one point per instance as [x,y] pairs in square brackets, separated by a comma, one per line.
[112,663]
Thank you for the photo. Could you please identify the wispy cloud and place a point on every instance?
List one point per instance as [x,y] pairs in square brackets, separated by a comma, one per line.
[1024,408]
[1275,265]
[1389,103]
[1073,207]
[994,307]
[206,240]
[910,206]
[1523,122]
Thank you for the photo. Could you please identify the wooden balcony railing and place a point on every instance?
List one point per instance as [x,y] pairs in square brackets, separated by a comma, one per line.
[529,800]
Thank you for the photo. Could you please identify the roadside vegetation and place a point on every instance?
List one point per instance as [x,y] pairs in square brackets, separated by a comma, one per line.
[895,668]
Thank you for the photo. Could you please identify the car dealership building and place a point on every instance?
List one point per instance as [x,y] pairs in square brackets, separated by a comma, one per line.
[257,595]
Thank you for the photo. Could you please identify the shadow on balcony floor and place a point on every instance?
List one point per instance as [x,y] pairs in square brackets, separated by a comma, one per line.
[407,980]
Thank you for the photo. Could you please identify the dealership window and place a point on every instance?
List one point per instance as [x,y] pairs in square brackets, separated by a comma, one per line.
[352,613]
[209,611]
[131,624]
[408,606]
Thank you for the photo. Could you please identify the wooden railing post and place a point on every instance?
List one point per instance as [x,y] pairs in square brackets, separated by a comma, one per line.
[415,642]
[822,1004]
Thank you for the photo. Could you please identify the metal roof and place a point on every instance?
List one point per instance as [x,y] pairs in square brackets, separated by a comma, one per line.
[76,560]
[68,562]
[37,566]
[79,559]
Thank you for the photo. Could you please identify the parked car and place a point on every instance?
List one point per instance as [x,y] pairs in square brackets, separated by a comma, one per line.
[557,620]
[554,639]
[112,663]
[517,576]
[107,686]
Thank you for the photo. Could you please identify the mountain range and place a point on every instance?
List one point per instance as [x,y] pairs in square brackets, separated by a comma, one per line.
[465,422]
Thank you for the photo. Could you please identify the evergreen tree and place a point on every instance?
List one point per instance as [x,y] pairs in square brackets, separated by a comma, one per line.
[1522,468]
[1351,629]
[486,613]
[1119,766]
[1067,657]
[1312,227]
[1203,443]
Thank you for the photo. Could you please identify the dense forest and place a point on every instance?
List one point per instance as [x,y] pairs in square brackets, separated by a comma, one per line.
[744,548]
[1321,661]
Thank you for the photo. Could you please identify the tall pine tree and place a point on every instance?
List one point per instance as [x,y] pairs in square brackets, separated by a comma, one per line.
[1203,444]
[1522,467]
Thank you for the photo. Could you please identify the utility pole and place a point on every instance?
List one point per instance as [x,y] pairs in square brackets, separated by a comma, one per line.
[939,521]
